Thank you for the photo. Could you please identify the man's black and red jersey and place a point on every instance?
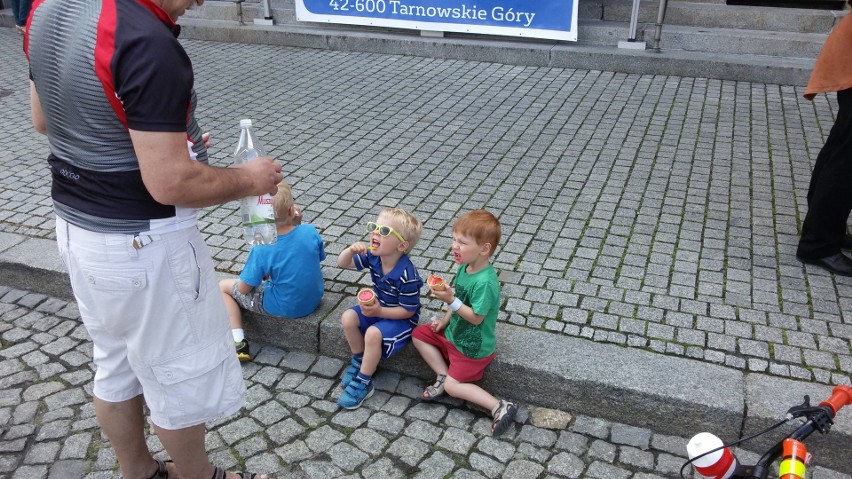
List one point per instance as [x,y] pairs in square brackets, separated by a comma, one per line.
[102,67]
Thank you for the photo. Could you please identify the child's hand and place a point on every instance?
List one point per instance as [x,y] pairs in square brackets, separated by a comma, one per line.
[447,295]
[438,325]
[297,216]
[358,248]
[372,311]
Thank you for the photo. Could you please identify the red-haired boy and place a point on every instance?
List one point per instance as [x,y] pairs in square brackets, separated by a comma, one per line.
[461,344]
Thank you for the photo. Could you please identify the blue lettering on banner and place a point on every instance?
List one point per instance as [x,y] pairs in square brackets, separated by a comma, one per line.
[508,17]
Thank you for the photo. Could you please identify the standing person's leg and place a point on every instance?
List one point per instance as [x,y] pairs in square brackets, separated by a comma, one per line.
[829,200]
[159,326]
[16,8]
[186,446]
[123,424]
[20,12]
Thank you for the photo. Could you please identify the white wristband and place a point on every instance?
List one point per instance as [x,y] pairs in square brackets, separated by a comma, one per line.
[456,304]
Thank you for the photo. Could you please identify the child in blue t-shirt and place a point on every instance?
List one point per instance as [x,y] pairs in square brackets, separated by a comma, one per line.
[377,331]
[282,279]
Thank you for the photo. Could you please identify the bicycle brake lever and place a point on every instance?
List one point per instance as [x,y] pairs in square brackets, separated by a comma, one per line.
[800,410]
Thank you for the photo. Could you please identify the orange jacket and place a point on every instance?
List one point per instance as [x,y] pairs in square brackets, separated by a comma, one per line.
[833,68]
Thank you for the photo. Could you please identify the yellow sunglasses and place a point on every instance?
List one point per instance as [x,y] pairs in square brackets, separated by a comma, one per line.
[383,230]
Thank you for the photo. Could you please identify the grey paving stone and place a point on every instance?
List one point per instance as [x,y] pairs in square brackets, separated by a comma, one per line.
[601,470]
[595,427]
[520,469]
[485,465]
[436,465]
[630,435]
[346,456]
[603,450]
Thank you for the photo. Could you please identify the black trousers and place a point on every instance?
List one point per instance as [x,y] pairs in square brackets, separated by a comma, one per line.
[830,191]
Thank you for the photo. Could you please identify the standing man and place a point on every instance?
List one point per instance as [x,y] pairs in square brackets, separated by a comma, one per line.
[113,90]
[830,193]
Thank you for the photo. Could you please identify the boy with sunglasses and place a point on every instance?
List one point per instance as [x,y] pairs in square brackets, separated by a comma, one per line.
[377,331]
[461,344]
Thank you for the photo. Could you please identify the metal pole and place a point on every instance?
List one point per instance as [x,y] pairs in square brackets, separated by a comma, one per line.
[658,27]
[240,10]
[634,19]
[631,42]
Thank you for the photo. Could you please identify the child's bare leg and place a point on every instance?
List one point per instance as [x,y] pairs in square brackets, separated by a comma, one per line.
[470,392]
[432,356]
[235,317]
[372,351]
[352,331]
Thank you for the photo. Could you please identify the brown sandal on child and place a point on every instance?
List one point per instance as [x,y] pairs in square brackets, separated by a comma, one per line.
[435,390]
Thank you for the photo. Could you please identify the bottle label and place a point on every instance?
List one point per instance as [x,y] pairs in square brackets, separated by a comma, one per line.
[260,211]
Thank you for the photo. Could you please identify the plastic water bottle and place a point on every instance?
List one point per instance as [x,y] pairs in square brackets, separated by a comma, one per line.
[256,212]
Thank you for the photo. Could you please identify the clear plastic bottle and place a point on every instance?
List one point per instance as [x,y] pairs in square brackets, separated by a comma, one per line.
[256,212]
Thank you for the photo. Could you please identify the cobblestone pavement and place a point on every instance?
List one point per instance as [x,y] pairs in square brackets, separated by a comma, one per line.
[652,212]
[292,425]
[648,211]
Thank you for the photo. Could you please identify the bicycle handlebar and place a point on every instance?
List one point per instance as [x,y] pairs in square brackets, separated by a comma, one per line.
[819,419]
[840,396]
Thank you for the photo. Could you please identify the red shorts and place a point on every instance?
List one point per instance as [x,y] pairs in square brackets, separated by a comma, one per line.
[462,368]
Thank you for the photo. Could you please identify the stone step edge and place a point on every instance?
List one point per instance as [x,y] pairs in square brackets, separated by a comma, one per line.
[671,395]
[753,68]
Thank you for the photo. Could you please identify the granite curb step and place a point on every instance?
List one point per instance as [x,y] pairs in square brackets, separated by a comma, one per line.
[738,67]
[687,50]
[672,395]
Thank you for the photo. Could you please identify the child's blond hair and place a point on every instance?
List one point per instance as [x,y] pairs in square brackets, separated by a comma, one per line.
[282,201]
[481,226]
[409,227]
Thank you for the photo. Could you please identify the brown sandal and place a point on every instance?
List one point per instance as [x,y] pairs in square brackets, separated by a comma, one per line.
[219,473]
[435,390]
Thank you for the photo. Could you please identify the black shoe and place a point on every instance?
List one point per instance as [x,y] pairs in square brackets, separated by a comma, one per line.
[847,242]
[839,263]
[243,351]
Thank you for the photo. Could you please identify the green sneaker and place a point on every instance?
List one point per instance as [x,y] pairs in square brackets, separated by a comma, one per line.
[243,353]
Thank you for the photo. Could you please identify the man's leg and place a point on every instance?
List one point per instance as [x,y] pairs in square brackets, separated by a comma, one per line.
[124,424]
[186,448]
[829,198]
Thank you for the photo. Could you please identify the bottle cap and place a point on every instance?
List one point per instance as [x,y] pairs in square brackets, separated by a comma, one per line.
[245,123]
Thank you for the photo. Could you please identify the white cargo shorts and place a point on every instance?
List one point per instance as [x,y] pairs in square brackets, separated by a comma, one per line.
[158,323]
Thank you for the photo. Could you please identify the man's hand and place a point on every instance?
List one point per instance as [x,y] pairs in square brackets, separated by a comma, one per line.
[265,173]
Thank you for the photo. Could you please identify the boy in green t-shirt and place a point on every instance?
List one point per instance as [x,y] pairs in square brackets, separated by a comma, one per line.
[461,344]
